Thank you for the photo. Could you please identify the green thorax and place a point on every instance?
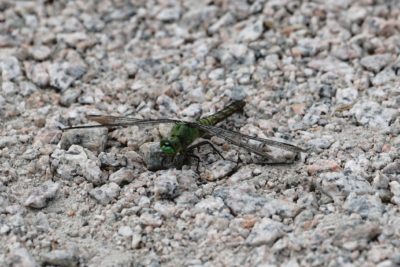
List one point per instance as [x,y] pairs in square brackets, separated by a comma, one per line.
[182,135]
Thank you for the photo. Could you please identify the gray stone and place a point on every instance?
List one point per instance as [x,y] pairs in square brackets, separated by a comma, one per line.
[42,222]
[63,74]
[308,47]
[352,234]
[117,258]
[40,196]
[265,232]
[169,14]
[358,166]
[131,68]
[92,22]
[218,170]
[366,206]
[381,181]
[395,189]
[392,168]
[122,176]
[8,89]
[252,31]
[38,74]
[8,141]
[313,115]
[230,54]
[166,209]
[151,219]
[60,257]
[195,17]
[112,160]
[331,64]
[381,160]
[372,114]
[193,110]
[348,51]
[225,20]
[73,39]
[346,95]
[322,143]
[272,62]
[10,68]
[77,161]
[283,208]
[20,256]
[105,193]
[69,96]
[40,53]
[125,231]
[166,186]
[241,200]
[376,62]
[27,88]
[136,239]
[94,139]
[210,205]
[338,185]
[384,77]
[217,74]
[238,93]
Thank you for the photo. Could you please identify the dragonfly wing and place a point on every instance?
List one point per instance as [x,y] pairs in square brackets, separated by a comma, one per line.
[104,119]
[115,121]
[251,143]
[127,121]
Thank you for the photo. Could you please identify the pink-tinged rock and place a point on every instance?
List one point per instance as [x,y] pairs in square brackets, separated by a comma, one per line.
[323,166]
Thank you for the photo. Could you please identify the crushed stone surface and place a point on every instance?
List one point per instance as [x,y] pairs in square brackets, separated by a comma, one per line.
[323,75]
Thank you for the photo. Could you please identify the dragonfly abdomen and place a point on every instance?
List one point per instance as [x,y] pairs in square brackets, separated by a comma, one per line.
[222,114]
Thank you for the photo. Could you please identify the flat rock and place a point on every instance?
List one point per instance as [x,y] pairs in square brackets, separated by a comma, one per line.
[373,114]
[77,161]
[40,196]
[94,139]
[105,193]
[376,62]
[65,258]
[367,206]
[122,176]
[265,232]
[10,68]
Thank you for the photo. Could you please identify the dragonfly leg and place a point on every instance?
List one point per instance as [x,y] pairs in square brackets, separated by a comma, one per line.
[164,158]
[203,143]
[162,162]
[198,160]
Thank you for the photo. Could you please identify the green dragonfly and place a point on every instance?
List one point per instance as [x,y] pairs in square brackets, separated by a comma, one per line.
[183,134]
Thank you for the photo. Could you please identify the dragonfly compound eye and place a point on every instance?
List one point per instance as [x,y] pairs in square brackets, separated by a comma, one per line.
[167,148]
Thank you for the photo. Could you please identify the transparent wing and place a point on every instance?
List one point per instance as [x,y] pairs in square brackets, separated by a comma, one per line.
[115,121]
[251,143]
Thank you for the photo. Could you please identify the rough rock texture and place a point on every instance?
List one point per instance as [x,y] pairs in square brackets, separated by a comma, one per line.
[324,75]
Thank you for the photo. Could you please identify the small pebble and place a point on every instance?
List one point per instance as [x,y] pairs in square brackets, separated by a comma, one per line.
[122,176]
[105,193]
[40,196]
[265,232]
[60,257]
[376,62]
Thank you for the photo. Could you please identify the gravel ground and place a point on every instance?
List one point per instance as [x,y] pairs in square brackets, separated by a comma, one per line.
[322,74]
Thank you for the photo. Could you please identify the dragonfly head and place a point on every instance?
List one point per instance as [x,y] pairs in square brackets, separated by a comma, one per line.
[167,147]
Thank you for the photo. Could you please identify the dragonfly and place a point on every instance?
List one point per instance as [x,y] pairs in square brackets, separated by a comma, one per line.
[181,138]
